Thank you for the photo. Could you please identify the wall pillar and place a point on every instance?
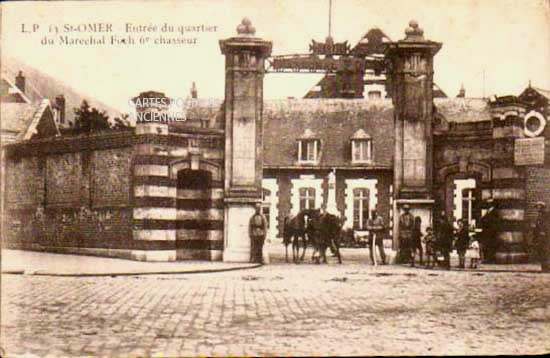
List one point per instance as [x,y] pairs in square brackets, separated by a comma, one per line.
[411,71]
[508,182]
[154,192]
[244,72]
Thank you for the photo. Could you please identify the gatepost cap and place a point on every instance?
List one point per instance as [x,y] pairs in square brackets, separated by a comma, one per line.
[540,203]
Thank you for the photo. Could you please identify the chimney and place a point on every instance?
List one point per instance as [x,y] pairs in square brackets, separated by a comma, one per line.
[462,92]
[60,106]
[194,91]
[20,81]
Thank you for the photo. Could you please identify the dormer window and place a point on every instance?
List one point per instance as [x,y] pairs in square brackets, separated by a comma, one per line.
[309,147]
[361,147]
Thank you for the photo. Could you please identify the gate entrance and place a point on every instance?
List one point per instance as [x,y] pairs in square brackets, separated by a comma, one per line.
[199,217]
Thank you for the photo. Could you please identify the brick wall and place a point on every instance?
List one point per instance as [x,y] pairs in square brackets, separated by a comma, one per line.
[78,198]
[537,189]
[111,177]
[24,179]
[63,177]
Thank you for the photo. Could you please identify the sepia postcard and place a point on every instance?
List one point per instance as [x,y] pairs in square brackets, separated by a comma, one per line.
[274,178]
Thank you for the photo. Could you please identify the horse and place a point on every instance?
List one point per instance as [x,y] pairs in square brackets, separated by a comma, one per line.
[295,228]
[325,230]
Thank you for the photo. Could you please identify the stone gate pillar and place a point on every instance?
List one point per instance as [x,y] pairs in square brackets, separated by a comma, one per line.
[244,72]
[411,69]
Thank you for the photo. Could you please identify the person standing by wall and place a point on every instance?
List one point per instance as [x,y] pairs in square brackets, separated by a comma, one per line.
[445,239]
[257,231]
[377,230]
[462,242]
[488,239]
[416,240]
[406,225]
[430,244]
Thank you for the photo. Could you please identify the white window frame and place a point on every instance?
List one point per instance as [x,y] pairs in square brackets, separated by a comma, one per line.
[351,184]
[316,150]
[361,200]
[356,146]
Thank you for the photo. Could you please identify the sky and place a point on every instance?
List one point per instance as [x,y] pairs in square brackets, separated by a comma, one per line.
[505,41]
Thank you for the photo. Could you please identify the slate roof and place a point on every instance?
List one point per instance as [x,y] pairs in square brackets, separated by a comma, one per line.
[334,121]
[23,118]
[16,117]
[39,85]
[544,92]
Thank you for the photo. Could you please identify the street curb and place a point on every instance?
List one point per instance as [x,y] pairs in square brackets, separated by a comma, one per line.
[454,269]
[39,273]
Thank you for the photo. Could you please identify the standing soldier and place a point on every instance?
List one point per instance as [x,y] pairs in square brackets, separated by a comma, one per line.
[406,225]
[257,229]
[377,231]
[416,240]
[445,239]
[462,242]
[488,239]
[541,236]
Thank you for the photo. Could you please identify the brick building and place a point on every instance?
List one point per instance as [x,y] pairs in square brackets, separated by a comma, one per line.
[184,190]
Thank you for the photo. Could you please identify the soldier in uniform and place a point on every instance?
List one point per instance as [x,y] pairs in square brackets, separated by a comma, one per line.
[406,225]
[488,239]
[377,231]
[444,236]
[257,230]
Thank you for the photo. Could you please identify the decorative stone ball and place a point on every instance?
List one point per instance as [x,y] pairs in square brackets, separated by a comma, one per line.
[245,28]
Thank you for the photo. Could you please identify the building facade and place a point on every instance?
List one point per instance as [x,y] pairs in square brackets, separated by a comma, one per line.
[184,190]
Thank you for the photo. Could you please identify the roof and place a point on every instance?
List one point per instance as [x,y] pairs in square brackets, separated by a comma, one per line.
[23,118]
[39,85]
[32,127]
[10,92]
[16,117]
[462,110]
[544,92]
[334,121]
[198,110]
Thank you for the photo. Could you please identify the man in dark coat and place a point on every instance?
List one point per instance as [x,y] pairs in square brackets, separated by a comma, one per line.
[444,236]
[462,242]
[257,230]
[541,236]
[406,225]
[488,237]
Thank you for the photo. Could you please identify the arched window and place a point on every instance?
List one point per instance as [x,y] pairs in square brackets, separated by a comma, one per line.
[307,198]
[360,208]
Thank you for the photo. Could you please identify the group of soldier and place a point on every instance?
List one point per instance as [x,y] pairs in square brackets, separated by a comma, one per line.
[444,238]
[441,240]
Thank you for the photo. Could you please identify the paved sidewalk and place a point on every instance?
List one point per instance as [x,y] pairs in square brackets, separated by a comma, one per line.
[50,264]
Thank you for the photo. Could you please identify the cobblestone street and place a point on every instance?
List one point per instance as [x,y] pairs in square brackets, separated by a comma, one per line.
[279,309]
